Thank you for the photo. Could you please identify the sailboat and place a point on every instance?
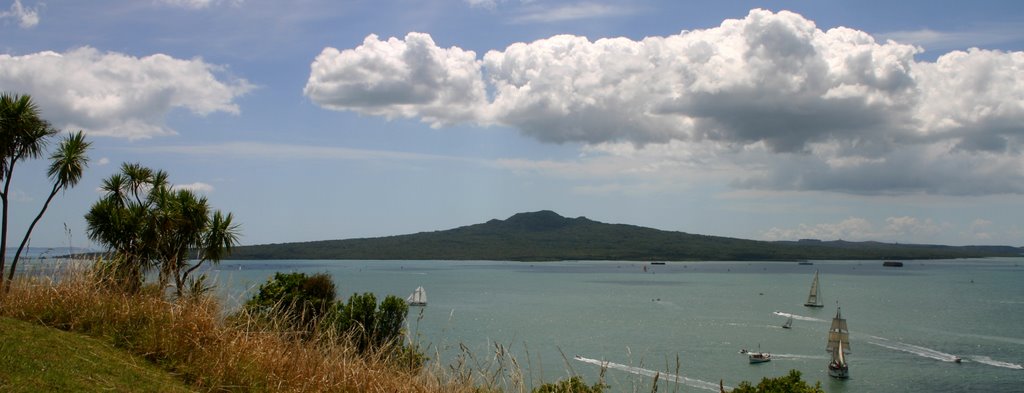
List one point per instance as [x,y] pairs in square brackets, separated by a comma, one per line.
[839,346]
[789,323]
[418,297]
[814,298]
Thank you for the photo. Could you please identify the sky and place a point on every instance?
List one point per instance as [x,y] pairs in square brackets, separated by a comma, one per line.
[313,120]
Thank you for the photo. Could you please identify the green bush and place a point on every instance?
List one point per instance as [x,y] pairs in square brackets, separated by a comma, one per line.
[785,384]
[371,326]
[296,299]
[307,305]
[571,385]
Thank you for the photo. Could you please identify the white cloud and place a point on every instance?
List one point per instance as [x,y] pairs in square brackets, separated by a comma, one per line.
[399,78]
[102,161]
[979,36]
[860,229]
[289,152]
[198,187]
[198,4]
[26,17]
[482,3]
[586,10]
[980,229]
[802,108]
[114,94]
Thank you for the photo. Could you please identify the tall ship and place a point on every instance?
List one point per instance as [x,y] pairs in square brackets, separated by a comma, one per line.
[838,346]
[418,297]
[814,298]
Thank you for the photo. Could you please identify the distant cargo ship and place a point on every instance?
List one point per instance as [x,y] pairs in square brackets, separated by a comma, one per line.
[892,264]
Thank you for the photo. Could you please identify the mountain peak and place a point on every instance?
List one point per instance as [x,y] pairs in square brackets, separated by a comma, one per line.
[537,221]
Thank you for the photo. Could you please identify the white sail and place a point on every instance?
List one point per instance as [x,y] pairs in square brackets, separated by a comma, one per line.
[789,323]
[418,297]
[813,298]
[840,359]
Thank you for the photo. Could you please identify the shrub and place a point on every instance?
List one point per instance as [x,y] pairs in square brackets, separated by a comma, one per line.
[297,300]
[785,384]
[571,385]
[306,305]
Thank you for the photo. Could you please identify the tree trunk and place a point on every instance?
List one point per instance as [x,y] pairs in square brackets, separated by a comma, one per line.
[28,234]
[3,226]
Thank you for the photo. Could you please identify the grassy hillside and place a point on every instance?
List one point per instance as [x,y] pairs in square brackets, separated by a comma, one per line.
[35,358]
[545,235]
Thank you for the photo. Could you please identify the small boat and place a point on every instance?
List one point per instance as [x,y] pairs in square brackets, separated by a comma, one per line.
[839,346]
[759,357]
[805,263]
[814,298]
[418,297]
[789,323]
[956,359]
[892,264]
[657,263]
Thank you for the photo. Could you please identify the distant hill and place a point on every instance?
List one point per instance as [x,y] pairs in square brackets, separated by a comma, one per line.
[547,236]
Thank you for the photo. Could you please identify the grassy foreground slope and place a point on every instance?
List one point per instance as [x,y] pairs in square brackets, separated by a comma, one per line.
[545,235]
[36,358]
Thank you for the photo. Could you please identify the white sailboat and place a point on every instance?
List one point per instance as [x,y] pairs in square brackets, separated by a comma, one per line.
[814,298]
[839,346]
[789,323]
[418,297]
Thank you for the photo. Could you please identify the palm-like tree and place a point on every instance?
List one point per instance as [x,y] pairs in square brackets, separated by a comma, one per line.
[23,135]
[66,167]
[148,224]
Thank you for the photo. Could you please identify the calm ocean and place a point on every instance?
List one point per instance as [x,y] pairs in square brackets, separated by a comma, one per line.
[906,324]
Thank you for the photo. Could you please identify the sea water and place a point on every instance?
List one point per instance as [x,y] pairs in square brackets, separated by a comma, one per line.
[687,321]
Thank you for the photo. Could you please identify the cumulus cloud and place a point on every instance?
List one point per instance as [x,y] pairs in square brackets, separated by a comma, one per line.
[26,17]
[198,187]
[412,77]
[808,108]
[119,95]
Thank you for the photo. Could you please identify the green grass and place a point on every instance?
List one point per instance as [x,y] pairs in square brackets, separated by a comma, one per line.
[36,358]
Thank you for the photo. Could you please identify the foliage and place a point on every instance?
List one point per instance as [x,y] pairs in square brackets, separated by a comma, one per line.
[371,326]
[571,385]
[306,304]
[545,235]
[66,167]
[299,300]
[24,136]
[785,384]
[149,224]
[190,338]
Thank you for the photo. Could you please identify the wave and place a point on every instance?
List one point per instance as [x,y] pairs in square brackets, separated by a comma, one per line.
[798,317]
[696,383]
[914,349]
[989,361]
[795,356]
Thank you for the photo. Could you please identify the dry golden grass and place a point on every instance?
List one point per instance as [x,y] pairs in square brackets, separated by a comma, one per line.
[193,339]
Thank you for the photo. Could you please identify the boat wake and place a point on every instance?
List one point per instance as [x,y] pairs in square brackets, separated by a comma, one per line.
[795,356]
[914,349]
[989,361]
[798,317]
[696,383]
